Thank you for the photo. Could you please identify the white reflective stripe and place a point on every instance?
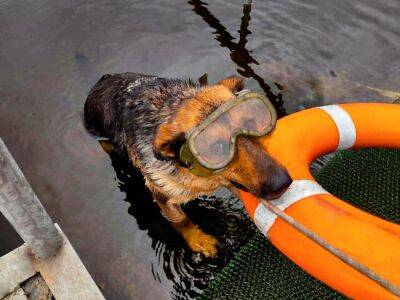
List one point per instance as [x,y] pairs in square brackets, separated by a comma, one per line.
[345,125]
[298,190]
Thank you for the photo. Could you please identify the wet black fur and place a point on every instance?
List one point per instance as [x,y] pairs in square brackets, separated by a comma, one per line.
[128,108]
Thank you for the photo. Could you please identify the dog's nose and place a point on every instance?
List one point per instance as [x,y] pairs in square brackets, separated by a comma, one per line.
[276,186]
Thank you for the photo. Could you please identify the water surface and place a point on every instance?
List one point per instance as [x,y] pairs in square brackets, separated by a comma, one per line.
[52,52]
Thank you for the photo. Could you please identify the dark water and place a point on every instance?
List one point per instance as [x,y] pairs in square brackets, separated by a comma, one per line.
[51,52]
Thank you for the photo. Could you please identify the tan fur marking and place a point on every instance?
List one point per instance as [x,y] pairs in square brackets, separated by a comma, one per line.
[234,83]
[107,146]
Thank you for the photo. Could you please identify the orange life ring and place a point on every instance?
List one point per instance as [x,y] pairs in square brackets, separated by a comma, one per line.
[298,140]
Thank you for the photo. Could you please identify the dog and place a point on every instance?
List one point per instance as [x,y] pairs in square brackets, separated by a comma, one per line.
[147,118]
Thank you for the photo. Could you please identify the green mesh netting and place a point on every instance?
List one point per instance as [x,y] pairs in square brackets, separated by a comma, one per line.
[368,179]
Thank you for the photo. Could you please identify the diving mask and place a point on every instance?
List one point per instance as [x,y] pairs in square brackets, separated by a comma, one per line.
[211,146]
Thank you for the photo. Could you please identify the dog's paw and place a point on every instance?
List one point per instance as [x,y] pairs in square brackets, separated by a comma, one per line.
[201,242]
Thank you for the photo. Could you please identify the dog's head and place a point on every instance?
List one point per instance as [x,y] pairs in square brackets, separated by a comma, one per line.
[252,168]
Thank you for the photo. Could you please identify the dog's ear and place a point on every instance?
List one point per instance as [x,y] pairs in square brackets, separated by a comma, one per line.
[168,142]
[234,83]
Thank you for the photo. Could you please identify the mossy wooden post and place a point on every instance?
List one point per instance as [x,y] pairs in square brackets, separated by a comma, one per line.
[22,208]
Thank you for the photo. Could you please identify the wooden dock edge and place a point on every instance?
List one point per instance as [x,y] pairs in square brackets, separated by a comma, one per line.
[65,274]
[15,268]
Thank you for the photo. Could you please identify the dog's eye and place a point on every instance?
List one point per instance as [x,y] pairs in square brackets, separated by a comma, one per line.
[220,147]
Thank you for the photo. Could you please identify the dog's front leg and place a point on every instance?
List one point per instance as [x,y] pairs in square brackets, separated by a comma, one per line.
[195,238]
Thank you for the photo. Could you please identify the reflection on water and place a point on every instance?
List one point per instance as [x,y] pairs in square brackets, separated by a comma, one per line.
[238,52]
[52,52]
[188,272]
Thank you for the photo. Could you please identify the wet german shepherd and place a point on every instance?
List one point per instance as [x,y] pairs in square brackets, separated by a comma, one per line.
[147,118]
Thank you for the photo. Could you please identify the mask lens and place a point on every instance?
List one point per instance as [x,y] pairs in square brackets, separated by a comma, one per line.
[213,144]
[251,115]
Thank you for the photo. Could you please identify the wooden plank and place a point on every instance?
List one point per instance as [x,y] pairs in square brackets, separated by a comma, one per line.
[15,267]
[66,275]
[19,294]
[36,288]
[22,208]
